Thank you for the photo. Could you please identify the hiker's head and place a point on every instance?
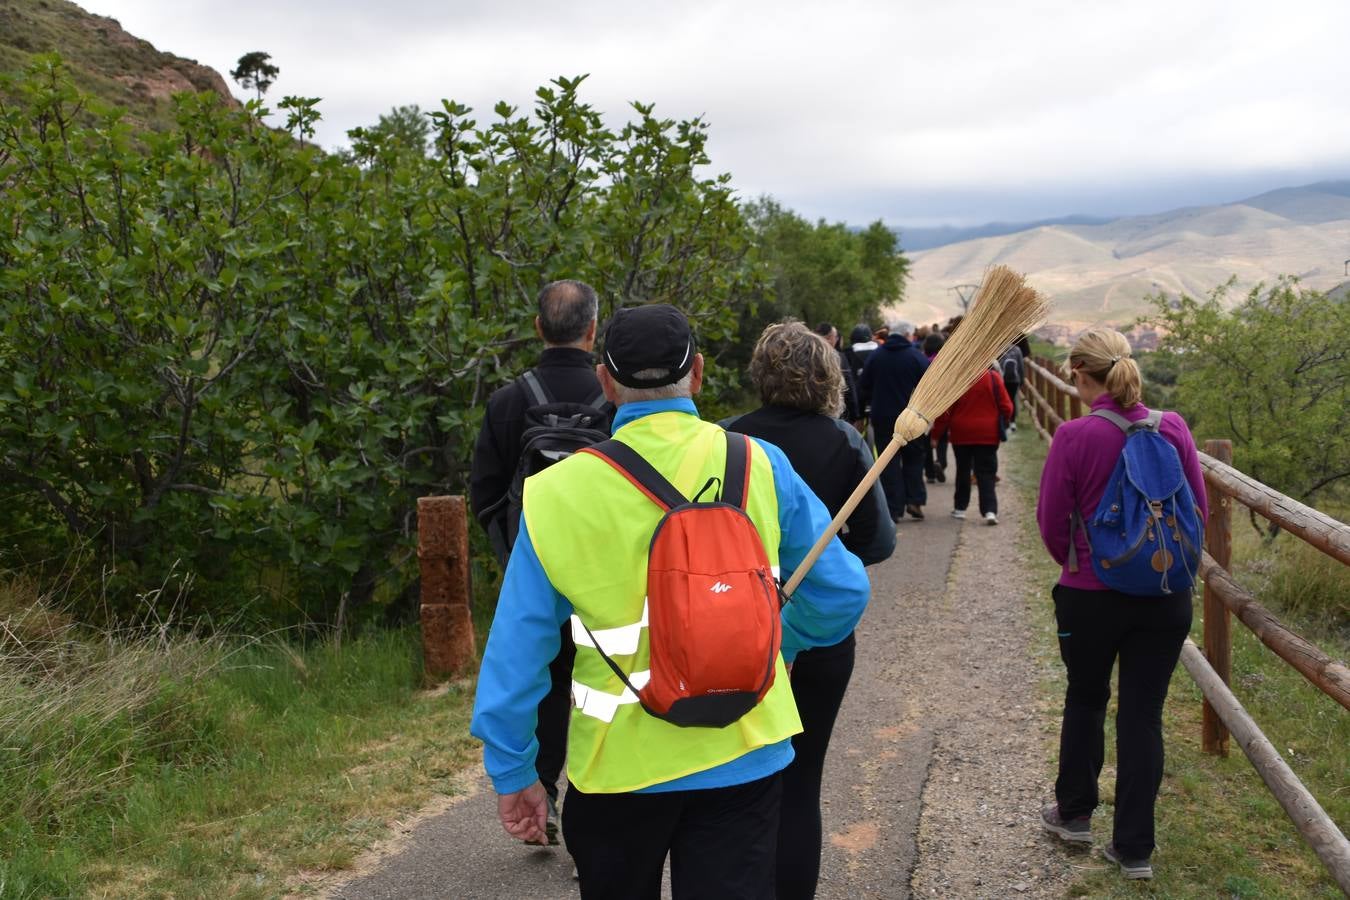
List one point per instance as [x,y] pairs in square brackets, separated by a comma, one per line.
[861,334]
[649,354]
[933,343]
[902,327]
[793,367]
[567,311]
[829,333]
[1100,360]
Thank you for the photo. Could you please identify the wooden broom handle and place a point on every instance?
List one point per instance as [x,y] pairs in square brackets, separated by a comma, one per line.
[884,457]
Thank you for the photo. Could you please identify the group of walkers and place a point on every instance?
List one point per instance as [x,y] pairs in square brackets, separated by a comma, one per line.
[735,808]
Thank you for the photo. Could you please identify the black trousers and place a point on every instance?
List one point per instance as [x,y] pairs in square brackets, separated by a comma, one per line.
[1013,388]
[819,679]
[1145,633]
[720,840]
[983,460]
[902,479]
[554,712]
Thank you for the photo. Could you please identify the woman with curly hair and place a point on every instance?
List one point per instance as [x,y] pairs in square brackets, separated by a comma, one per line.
[798,378]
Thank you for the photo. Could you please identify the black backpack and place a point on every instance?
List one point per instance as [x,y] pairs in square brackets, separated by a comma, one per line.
[554,430]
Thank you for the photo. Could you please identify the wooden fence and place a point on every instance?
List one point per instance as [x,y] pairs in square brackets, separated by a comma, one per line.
[1052,402]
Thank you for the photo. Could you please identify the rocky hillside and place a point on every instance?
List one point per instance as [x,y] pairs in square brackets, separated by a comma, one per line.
[116,67]
[1102,273]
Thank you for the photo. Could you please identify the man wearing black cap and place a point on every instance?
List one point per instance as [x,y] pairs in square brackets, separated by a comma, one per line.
[565,374]
[639,787]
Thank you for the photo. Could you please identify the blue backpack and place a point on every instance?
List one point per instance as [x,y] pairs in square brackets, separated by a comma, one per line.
[1146,534]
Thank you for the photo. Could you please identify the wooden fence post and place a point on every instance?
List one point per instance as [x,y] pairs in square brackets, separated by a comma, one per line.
[1042,415]
[1218,637]
[443,557]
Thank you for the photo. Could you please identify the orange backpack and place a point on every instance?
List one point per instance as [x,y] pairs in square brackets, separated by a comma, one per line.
[713,604]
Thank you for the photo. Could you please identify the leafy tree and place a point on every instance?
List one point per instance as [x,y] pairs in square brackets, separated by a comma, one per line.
[222,348]
[1273,375]
[254,71]
[825,271]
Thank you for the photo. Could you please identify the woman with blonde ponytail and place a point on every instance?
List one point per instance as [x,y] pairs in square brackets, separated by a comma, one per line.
[1097,624]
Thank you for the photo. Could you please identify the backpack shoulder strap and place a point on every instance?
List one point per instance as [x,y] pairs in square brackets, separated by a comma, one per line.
[630,464]
[1151,421]
[1114,418]
[535,388]
[598,401]
[736,480]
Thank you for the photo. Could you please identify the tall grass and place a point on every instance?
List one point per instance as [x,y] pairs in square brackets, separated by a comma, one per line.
[149,761]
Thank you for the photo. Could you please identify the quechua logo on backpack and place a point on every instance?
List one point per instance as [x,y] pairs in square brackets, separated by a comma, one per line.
[713,629]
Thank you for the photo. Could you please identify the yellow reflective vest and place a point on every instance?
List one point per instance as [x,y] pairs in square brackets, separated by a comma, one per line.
[591,528]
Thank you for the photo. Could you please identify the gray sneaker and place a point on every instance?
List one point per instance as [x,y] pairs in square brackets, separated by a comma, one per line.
[1075,831]
[1139,869]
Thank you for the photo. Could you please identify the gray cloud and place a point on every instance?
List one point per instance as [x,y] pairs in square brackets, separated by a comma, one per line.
[860,109]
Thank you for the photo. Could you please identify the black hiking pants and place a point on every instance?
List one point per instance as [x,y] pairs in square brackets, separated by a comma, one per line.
[554,712]
[1145,633]
[983,461]
[902,479]
[720,841]
[819,679]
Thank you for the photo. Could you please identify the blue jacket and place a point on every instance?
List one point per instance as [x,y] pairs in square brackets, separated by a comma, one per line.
[890,376]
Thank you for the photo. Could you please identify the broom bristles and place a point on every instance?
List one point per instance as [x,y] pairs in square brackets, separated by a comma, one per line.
[1005,308]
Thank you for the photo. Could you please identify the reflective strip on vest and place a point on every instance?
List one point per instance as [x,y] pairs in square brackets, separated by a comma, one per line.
[619,641]
[603,706]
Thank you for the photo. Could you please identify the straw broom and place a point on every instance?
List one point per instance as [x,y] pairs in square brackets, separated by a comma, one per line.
[1005,308]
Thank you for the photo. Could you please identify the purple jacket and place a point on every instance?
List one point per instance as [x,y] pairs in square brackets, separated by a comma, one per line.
[1081,459]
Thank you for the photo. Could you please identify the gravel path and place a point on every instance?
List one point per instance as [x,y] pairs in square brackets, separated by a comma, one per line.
[979,834]
[937,768]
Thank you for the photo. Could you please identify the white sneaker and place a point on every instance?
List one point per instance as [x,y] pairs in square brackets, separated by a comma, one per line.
[990,518]
[958,514]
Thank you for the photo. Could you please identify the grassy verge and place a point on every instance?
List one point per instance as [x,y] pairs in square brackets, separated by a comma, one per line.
[157,766]
[1220,832]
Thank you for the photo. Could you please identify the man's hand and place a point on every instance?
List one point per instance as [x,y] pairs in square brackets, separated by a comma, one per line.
[525,813]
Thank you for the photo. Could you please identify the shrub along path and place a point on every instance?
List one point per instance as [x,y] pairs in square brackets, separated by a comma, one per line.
[938,765]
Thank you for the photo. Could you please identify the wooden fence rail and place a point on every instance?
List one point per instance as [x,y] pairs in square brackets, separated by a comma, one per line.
[1304,811]
[1052,403]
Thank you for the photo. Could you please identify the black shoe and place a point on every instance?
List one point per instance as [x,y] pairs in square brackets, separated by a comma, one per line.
[914,510]
[942,476]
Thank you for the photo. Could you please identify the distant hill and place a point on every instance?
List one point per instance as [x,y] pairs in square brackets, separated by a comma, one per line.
[105,61]
[928,238]
[1101,273]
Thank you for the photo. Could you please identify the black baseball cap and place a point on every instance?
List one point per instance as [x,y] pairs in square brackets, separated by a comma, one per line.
[656,336]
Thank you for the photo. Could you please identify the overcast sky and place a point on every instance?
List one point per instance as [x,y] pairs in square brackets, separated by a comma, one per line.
[918,112]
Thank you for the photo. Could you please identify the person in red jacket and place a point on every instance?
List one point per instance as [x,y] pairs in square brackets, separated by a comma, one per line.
[973,428]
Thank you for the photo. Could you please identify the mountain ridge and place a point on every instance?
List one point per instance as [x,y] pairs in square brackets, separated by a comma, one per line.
[1102,272]
[104,60]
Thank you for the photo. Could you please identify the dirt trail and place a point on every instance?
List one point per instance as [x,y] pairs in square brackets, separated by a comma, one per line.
[936,770]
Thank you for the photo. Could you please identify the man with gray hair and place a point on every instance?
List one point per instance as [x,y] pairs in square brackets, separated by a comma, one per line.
[888,380]
[565,378]
[641,788]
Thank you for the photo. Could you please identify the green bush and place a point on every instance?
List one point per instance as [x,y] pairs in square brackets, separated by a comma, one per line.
[226,353]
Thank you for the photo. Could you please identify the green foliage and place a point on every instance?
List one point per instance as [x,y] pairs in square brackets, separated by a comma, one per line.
[1272,375]
[825,272]
[223,347]
[255,71]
